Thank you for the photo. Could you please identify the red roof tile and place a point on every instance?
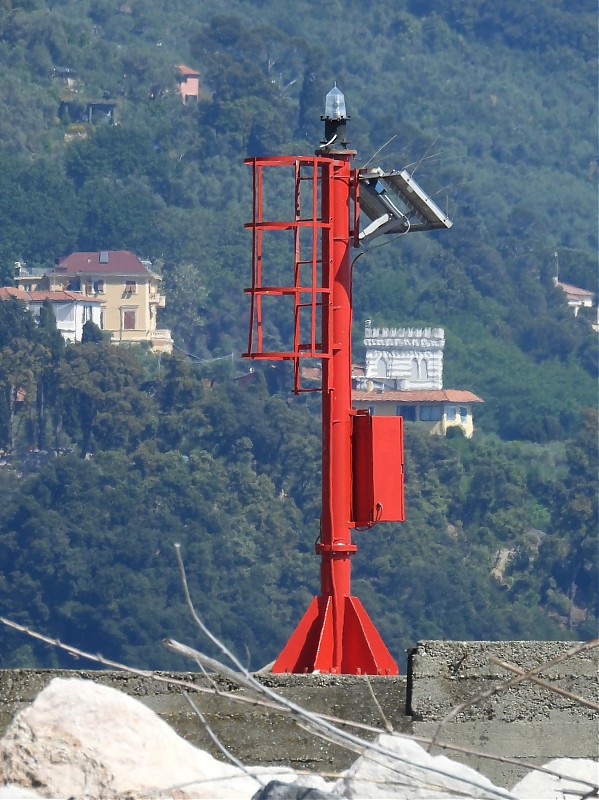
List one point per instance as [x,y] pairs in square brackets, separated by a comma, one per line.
[45,294]
[119,262]
[6,292]
[574,290]
[312,373]
[183,70]
[417,396]
[38,296]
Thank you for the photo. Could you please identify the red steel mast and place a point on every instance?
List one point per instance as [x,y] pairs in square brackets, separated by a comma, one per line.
[336,635]
[362,455]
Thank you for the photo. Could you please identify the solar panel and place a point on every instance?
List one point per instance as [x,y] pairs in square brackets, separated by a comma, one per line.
[396,203]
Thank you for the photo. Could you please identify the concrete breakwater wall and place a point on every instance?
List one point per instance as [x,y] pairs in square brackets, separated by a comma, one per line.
[254,733]
[526,723]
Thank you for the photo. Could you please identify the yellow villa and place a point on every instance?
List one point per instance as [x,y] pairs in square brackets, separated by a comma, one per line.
[126,286]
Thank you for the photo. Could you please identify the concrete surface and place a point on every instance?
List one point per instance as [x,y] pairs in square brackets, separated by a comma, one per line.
[526,723]
[254,734]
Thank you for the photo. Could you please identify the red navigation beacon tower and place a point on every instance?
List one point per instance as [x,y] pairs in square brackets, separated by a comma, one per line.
[362,455]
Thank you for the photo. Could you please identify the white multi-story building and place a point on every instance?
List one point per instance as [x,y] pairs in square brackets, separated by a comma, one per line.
[412,357]
[71,310]
[403,376]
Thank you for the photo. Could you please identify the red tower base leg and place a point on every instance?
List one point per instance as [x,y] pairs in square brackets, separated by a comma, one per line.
[312,645]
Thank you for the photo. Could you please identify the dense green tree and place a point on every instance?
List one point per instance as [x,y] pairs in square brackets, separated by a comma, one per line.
[23,354]
[570,549]
[115,151]
[102,402]
[20,364]
[42,215]
[120,214]
[91,333]
[15,322]
[47,381]
[188,297]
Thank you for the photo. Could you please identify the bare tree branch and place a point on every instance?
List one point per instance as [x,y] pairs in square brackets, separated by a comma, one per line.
[502,687]
[388,725]
[75,652]
[324,729]
[317,723]
[227,754]
[551,687]
[275,706]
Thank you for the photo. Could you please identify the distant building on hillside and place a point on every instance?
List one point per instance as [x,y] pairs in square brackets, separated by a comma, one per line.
[125,287]
[403,376]
[67,76]
[576,298]
[189,82]
[71,309]
[26,277]
[99,112]
[411,357]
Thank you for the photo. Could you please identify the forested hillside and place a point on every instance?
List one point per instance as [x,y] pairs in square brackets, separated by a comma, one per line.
[111,455]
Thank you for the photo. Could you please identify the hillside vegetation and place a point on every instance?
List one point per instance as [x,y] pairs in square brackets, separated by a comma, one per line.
[112,455]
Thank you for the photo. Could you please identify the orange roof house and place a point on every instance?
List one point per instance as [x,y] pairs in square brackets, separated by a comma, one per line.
[440,409]
[189,82]
[576,297]
[7,292]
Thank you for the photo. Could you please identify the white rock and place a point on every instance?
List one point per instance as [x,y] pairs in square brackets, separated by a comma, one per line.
[312,781]
[82,739]
[541,786]
[12,792]
[412,774]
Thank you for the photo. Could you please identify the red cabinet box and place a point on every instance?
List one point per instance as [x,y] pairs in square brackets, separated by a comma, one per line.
[377,463]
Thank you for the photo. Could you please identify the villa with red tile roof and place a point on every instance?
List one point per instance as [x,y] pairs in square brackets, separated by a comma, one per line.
[404,377]
[126,289]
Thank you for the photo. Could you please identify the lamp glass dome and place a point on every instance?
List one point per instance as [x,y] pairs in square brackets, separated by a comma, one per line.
[334,104]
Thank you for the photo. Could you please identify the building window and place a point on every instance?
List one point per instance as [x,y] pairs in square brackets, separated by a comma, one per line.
[99,287]
[450,413]
[424,369]
[131,287]
[89,287]
[381,368]
[430,413]
[407,412]
[129,320]
[414,372]
[463,413]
